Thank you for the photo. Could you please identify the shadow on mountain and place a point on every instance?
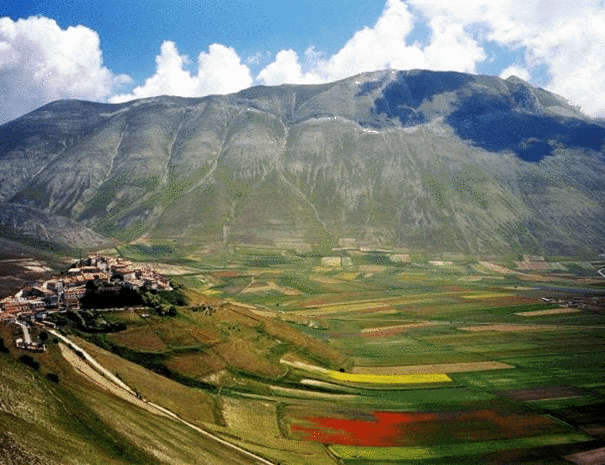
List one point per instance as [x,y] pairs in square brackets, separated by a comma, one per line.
[507,121]
[402,97]
[370,86]
[495,124]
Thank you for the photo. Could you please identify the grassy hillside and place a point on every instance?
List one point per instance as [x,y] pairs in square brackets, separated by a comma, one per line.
[430,160]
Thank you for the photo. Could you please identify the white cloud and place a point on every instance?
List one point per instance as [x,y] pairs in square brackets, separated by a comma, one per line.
[516,70]
[381,46]
[385,45]
[170,77]
[560,38]
[452,48]
[40,62]
[565,36]
[253,59]
[286,68]
[563,40]
[220,71]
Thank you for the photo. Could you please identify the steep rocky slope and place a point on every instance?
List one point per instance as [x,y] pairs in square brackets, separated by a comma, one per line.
[418,159]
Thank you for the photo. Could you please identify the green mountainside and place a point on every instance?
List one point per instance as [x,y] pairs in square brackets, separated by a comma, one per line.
[438,161]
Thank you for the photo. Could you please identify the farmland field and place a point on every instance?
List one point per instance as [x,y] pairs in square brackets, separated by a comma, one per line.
[414,362]
[442,366]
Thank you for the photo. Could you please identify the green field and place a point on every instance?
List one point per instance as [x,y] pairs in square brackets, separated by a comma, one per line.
[266,346]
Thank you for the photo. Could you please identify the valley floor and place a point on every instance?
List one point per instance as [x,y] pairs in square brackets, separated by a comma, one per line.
[374,362]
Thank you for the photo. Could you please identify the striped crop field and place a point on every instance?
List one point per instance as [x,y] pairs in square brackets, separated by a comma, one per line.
[409,378]
[552,311]
[486,295]
[384,331]
[434,368]
[369,305]
[418,378]
[513,328]
[453,450]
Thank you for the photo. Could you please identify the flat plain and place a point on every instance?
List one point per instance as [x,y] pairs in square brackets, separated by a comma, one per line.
[439,363]
[376,362]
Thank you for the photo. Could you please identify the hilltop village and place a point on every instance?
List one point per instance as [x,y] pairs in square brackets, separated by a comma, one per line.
[65,292]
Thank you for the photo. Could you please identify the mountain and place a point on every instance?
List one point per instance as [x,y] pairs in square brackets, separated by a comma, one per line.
[416,159]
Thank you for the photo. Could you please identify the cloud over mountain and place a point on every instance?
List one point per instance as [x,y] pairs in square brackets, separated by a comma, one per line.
[550,43]
[385,45]
[40,62]
[219,71]
[565,37]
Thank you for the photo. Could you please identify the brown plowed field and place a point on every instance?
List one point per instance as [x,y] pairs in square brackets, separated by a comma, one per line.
[543,393]
[196,365]
[591,457]
[553,311]
[436,368]
[382,331]
[511,328]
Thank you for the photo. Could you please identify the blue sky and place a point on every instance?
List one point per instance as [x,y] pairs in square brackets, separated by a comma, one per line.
[131,32]
[120,50]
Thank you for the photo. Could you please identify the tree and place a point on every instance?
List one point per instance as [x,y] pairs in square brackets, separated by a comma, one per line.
[3,348]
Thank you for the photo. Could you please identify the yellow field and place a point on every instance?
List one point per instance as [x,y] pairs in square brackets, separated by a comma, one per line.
[343,308]
[373,304]
[553,311]
[497,268]
[402,327]
[420,378]
[486,295]
[325,280]
[416,378]
[210,292]
[245,416]
[241,304]
[372,268]
[271,286]
[413,277]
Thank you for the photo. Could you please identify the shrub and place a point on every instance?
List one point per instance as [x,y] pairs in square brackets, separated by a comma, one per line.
[30,362]
[3,348]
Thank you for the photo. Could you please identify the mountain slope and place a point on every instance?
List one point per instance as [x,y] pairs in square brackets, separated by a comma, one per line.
[417,159]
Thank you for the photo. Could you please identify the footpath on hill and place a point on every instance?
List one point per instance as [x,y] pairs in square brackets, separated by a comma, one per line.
[86,365]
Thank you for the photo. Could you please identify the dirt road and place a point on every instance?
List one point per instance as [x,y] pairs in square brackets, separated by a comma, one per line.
[97,374]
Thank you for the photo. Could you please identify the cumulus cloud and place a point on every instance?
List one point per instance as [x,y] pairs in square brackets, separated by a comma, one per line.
[559,42]
[381,46]
[566,37]
[286,68]
[385,45]
[40,62]
[219,71]
[516,70]
[562,38]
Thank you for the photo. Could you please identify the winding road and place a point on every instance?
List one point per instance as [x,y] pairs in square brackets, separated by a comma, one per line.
[101,376]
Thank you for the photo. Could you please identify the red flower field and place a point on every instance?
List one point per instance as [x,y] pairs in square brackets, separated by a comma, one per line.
[390,429]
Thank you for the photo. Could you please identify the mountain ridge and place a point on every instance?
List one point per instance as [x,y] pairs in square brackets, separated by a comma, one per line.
[412,159]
